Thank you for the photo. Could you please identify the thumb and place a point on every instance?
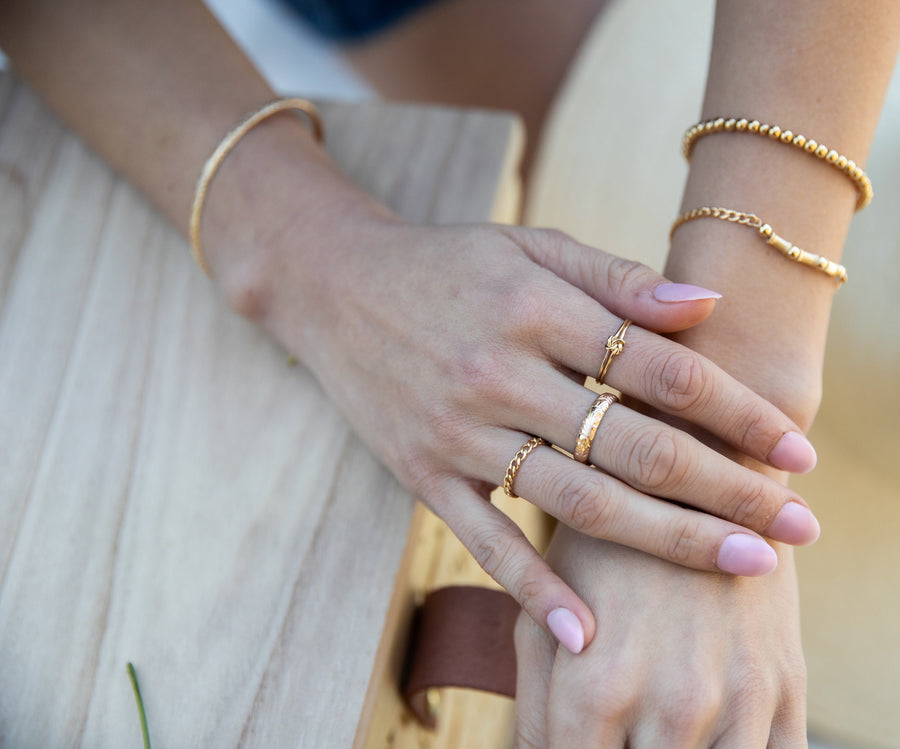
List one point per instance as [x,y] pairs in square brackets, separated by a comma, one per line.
[625,287]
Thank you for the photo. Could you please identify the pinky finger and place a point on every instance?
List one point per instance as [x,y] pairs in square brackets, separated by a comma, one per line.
[504,552]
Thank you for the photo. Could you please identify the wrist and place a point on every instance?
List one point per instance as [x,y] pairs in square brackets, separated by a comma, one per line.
[769,330]
[277,214]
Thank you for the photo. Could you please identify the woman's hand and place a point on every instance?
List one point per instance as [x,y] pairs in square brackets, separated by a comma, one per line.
[680,659]
[447,348]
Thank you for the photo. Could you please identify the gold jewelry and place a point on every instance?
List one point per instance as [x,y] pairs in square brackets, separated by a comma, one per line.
[773,132]
[590,424]
[516,463]
[614,345]
[828,267]
[224,148]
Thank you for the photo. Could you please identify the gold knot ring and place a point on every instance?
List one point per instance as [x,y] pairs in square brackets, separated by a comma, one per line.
[614,345]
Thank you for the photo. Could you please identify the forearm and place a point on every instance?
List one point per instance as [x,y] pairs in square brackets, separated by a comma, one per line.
[820,69]
[153,87]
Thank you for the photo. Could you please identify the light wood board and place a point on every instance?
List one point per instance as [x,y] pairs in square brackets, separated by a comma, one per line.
[172,493]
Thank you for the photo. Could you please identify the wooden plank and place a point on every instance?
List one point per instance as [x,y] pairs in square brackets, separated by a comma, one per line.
[171,491]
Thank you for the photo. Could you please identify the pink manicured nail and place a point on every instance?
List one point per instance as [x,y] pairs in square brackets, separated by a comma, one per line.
[794,524]
[794,453]
[567,628]
[682,292]
[742,554]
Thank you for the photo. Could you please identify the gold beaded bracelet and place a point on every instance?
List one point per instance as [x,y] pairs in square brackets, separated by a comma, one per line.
[828,267]
[224,148]
[774,132]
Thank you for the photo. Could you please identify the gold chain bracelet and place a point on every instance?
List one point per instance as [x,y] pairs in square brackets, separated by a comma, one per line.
[774,132]
[224,148]
[797,254]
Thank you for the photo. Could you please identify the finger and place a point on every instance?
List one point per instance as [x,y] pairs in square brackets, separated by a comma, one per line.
[689,729]
[625,287]
[581,713]
[751,733]
[658,459]
[599,505]
[754,729]
[789,723]
[677,381]
[535,652]
[502,550]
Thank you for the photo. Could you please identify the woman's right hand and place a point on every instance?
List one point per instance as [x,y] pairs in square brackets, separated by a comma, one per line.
[447,348]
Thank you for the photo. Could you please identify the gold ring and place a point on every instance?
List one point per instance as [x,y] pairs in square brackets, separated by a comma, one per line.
[614,345]
[516,463]
[590,424]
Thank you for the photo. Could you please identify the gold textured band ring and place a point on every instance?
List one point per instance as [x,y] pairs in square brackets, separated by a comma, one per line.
[742,125]
[516,463]
[224,148]
[830,268]
[590,424]
[614,345]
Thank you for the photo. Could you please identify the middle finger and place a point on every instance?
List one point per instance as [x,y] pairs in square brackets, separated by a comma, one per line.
[663,461]
[681,382]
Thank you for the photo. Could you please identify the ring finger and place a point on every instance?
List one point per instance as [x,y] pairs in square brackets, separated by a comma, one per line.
[660,460]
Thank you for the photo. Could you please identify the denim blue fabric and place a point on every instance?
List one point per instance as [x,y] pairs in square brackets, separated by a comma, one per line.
[352,20]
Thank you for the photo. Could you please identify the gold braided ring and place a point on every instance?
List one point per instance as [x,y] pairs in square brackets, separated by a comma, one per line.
[614,345]
[516,463]
[590,424]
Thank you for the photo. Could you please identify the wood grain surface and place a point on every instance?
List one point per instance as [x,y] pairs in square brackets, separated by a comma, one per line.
[172,492]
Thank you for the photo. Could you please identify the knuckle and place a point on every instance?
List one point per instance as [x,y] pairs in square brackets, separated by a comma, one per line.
[682,541]
[793,680]
[607,698]
[530,586]
[755,428]
[623,275]
[757,690]
[417,474]
[683,381]
[552,237]
[752,508]
[497,552]
[527,307]
[654,460]
[586,508]
[693,708]
[482,377]
[491,550]
[449,426]
[793,687]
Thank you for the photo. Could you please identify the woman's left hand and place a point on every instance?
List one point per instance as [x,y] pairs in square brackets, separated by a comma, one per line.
[680,658]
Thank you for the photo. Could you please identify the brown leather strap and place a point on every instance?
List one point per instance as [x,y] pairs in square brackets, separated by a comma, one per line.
[462,637]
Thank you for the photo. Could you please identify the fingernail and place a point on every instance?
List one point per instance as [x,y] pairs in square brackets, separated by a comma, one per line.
[794,453]
[742,554]
[682,292]
[567,628]
[794,524]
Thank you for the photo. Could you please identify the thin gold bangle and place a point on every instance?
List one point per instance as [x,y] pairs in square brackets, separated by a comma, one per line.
[224,148]
[828,267]
[774,132]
